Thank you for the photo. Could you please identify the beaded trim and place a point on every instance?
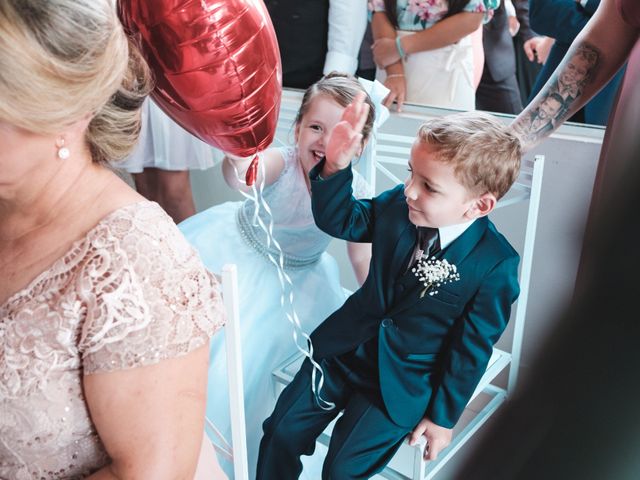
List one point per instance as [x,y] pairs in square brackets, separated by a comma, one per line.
[247,232]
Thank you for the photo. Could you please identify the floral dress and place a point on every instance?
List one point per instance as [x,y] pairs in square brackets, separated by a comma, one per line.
[442,77]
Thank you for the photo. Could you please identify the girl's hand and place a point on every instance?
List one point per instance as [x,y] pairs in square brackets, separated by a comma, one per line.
[385,52]
[397,84]
[345,140]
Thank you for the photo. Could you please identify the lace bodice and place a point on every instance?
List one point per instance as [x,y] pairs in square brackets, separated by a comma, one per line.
[132,292]
[289,201]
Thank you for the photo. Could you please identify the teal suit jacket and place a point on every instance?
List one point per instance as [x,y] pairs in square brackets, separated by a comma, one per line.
[432,351]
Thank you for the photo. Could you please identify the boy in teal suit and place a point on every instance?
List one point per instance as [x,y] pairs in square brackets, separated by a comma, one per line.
[404,354]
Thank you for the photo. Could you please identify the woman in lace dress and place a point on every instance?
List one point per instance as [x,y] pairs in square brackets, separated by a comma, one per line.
[227,233]
[105,310]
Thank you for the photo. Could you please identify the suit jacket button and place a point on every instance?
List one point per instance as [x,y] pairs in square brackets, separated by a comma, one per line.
[400,288]
[387,322]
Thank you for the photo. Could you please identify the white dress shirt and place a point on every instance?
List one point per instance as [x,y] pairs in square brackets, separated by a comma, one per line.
[347,23]
[449,233]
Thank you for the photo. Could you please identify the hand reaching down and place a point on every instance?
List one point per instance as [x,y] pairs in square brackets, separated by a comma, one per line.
[438,438]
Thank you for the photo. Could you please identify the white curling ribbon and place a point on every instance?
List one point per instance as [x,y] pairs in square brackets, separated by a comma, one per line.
[225,449]
[286,285]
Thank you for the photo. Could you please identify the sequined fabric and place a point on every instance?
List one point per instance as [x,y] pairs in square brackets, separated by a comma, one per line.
[131,293]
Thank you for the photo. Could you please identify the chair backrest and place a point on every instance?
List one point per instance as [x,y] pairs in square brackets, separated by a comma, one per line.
[234,372]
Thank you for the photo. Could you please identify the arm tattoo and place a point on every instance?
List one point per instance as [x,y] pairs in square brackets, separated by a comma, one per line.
[565,87]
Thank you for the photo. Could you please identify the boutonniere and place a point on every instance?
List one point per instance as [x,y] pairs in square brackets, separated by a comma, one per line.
[433,272]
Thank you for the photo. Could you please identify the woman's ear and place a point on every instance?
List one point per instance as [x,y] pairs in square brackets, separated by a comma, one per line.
[481,206]
[76,132]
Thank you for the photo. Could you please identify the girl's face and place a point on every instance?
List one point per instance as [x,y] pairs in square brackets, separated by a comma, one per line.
[314,128]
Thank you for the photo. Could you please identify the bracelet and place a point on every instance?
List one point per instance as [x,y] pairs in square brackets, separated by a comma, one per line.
[399,48]
[395,75]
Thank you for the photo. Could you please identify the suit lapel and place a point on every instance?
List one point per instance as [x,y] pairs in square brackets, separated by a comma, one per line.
[455,254]
[404,247]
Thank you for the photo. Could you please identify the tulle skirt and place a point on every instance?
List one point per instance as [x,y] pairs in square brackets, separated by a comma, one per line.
[266,334]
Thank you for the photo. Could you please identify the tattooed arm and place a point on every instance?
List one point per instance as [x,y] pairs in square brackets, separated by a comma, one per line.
[594,57]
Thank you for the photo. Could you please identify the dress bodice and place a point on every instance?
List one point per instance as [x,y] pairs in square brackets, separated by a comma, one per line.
[289,204]
[132,292]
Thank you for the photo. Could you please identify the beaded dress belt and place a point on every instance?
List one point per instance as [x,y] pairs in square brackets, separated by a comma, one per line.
[248,233]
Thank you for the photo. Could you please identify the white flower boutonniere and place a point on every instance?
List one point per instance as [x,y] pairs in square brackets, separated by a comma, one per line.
[433,272]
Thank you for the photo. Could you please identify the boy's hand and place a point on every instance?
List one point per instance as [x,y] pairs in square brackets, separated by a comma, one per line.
[438,438]
[345,139]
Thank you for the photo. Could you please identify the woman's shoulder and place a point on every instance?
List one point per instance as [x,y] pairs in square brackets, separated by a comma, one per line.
[151,296]
[140,227]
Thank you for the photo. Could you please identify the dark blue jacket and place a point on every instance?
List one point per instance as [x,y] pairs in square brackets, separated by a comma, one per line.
[432,351]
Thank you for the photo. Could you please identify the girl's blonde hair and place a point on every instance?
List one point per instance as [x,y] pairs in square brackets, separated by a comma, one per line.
[65,60]
[341,88]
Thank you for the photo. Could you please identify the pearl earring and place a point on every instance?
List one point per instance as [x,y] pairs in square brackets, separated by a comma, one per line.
[63,152]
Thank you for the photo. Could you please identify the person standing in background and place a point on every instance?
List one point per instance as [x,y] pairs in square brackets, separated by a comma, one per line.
[498,90]
[527,68]
[424,52]
[161,162]
[317,37]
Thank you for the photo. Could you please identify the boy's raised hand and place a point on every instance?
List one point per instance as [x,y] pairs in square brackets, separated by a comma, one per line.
[345,139]
[438,438]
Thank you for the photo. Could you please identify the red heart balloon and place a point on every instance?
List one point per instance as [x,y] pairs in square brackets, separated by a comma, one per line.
[217,67]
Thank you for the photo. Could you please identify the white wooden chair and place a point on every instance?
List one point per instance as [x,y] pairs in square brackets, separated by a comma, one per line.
[238,451]
[393,144]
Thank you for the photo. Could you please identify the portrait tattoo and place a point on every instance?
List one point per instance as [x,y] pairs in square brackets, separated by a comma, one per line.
[559,93]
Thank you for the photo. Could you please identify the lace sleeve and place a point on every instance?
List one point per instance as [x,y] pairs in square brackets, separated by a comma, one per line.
[148,296]
[361,188]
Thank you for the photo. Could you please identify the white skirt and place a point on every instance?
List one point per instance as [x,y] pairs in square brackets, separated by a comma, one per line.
[441,77]
[166,145]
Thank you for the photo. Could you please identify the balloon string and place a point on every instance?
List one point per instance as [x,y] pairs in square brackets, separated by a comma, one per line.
[225,449]
[286,285]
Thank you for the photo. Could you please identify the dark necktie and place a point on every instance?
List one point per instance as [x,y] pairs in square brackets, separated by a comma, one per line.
[428,243]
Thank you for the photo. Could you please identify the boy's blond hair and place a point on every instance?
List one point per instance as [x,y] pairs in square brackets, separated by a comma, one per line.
[485,153]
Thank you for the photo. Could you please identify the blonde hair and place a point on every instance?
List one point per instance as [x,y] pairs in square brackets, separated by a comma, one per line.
[342,89]
[486,154]
[64,60]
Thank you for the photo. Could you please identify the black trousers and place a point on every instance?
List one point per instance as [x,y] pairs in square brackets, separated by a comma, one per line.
[498,96]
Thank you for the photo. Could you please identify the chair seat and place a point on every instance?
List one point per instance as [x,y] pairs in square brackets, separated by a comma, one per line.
[407,463]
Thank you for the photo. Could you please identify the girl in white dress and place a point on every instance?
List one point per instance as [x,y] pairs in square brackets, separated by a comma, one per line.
[226,234]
